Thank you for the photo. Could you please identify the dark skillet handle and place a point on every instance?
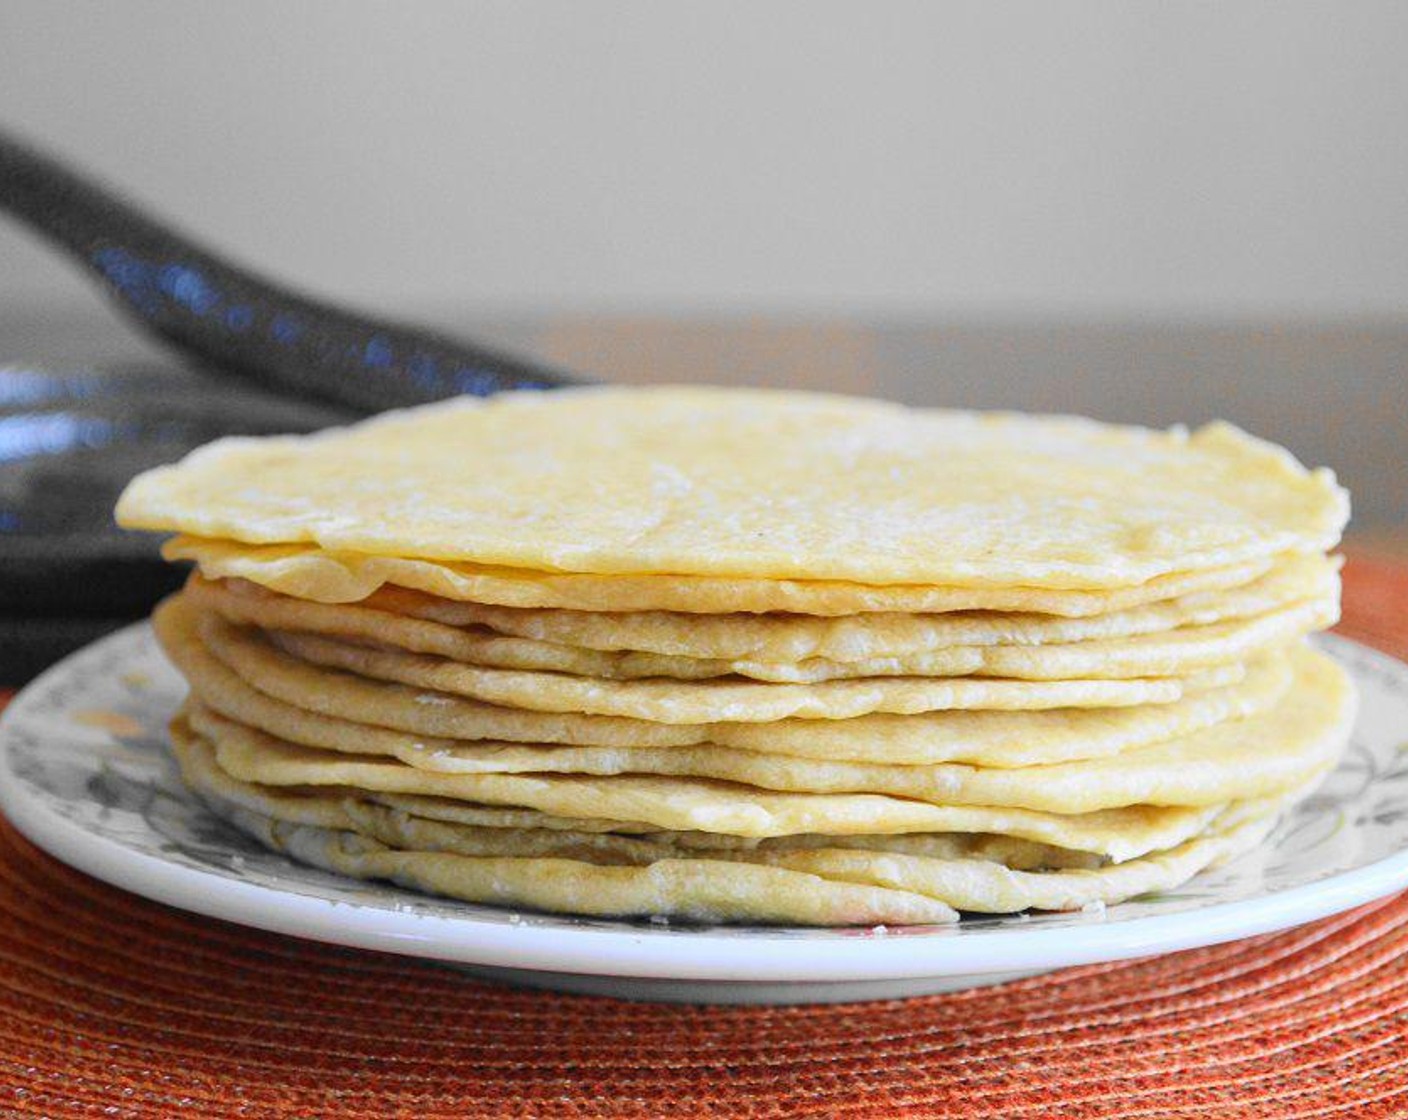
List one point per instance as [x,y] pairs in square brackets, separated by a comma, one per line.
[237,322]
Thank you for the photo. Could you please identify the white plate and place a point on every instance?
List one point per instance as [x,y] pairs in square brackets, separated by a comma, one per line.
[84,773]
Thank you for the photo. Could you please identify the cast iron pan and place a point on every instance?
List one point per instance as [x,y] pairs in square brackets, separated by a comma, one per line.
[256,358]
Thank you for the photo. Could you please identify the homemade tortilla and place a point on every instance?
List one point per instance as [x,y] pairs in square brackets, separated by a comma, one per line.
[1175,652]
[758,484]
[730,700]
[337,711]
[818,886]
[1260,756]
[790,638]
[323,576]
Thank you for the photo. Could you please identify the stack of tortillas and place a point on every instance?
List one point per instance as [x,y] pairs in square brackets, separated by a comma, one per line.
[735,655]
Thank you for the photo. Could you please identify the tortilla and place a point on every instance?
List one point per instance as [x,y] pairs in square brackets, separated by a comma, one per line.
[416,710]
[758,484]
[1175,652]
[698,890]
[742,655]
[1261,756]
[347,714]
[790,638]
[697,805]
[821,886]
[324,576]
[481,830]
[728,700]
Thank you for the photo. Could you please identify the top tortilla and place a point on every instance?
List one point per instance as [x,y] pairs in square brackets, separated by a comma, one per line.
[752,483]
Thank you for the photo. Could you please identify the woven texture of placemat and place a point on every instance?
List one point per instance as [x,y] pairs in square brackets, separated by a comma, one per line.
[112,1006]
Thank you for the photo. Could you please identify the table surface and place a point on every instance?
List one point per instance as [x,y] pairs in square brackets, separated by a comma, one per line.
[1334,392]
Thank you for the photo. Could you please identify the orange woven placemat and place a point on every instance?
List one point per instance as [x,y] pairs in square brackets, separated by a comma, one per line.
[112,1006]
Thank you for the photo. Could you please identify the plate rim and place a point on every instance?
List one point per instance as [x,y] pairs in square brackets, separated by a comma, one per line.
[683,952]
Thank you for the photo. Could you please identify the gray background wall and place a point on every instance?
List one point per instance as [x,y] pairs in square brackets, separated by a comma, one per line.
[1093,158]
